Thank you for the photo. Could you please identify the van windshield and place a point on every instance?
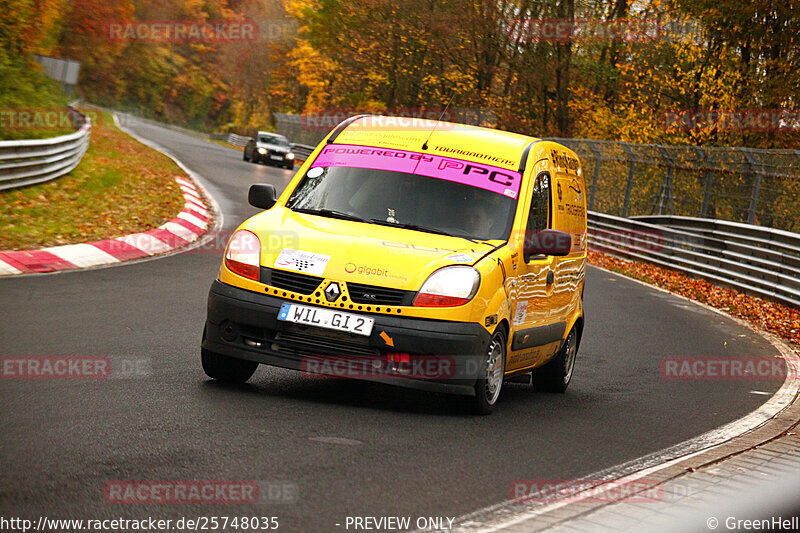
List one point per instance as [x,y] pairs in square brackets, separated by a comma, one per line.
[404,199]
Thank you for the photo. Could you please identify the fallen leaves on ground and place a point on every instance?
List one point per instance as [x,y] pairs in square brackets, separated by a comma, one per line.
[120,187]
[779,319]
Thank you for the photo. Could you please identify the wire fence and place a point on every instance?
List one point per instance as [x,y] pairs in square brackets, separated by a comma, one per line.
[749,185]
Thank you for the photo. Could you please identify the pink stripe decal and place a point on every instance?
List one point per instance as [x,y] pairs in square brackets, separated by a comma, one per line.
[490,178]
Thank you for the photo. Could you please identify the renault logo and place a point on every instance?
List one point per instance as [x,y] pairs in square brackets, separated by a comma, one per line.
[332,292]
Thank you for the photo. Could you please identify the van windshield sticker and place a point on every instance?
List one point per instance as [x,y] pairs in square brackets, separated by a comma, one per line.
[487,177]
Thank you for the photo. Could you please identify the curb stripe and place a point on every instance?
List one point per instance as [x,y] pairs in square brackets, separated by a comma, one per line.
[35,261]
[120,249]
[82,255]
[171,239]
[181,231]
[196,214]
[6,269]
[147,244]
[194,228]
[190,192]
[191,219]
[196,206]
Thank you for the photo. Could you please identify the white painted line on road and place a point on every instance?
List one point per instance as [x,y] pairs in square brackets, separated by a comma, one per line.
[510,513]
[82,255]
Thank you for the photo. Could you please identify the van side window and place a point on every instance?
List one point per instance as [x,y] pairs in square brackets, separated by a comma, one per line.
[539,216]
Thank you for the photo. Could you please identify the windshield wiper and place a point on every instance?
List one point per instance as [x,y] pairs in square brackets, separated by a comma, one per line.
[331,213]
[417,227]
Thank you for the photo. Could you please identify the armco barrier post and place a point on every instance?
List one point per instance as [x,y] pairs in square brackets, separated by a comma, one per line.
[629,184]
[598,160]
[755,171]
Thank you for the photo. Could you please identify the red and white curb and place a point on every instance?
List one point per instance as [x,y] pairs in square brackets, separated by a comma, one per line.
[190,224]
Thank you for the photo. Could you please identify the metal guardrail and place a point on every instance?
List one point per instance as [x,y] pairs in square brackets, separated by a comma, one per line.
[238,140]
[749,185]
[752,259]
[302,151]
[31,161]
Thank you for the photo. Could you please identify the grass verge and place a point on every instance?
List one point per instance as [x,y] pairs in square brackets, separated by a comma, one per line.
[780,320]
[120,187]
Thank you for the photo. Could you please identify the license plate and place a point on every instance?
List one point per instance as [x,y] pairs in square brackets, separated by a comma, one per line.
[326,318]
[278,157]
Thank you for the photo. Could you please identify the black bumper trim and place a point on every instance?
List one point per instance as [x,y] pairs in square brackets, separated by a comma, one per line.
[236,314]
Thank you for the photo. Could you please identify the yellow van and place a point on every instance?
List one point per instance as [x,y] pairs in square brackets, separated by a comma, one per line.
[431,255]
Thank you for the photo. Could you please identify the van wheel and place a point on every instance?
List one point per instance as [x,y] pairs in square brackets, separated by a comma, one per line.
[226,369]
[487,387]
[556,375]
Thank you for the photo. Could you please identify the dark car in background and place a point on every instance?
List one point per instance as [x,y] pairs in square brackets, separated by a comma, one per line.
[269,148]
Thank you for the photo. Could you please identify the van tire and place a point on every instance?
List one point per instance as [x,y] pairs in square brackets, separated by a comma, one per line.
[556,375]
[487,389]
[226,369]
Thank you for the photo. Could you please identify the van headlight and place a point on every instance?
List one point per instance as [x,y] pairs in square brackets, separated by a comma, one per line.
[448,287]
[262,151]
[243,254]
[290,155]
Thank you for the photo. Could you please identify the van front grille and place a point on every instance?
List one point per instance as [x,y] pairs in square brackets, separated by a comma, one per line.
[370,294]
[290,281]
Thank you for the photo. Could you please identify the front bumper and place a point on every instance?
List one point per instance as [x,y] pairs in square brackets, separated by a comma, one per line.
[442,356]
[267,158]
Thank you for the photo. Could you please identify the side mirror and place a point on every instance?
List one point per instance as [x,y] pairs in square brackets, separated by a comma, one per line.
[262,195]
[548,242]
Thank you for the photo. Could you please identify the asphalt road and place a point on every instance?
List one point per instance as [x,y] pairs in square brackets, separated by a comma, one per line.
[350,448]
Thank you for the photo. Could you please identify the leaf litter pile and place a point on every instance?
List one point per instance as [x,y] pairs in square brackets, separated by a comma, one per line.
[778,319]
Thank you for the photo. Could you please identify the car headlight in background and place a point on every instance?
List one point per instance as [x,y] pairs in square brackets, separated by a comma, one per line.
[243,254]
[262,150]
[290,155]
[449,287]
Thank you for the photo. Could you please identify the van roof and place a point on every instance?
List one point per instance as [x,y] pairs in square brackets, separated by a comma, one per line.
[473,143]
